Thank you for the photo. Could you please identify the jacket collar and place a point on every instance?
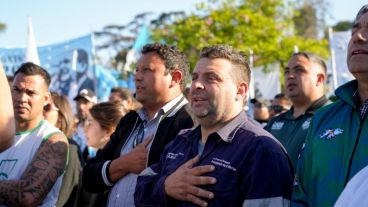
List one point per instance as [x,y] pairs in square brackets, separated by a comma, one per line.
[346,93]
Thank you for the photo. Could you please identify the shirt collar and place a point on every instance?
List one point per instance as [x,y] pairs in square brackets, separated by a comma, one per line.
[310,110]
[144,116]
[228,131]
[172,103]
[356,98]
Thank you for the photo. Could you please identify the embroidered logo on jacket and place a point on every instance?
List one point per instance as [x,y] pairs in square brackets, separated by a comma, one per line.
[331,133]
[277,125]
[223,163]
[305,125]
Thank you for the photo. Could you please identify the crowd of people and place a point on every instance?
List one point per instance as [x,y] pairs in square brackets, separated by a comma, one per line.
[168,145]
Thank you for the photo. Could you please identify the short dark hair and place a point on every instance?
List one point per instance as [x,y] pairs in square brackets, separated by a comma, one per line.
[313,58]
[124,93]
[361,12]
[173,59]
[237,58]
[29,68]
[281,96]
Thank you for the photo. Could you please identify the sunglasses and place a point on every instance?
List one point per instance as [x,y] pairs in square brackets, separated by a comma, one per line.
[140,134]
[277,108]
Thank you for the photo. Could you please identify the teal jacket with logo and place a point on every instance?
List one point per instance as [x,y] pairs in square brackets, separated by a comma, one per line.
[336,149]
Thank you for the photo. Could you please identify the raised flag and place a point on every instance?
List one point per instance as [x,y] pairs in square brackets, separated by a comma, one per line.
[31,51]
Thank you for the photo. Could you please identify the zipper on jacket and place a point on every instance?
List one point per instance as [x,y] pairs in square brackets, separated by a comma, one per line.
[355,147]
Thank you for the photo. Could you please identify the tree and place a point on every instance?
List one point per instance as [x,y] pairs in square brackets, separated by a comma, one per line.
[342,26]
[310,16]
[266,27]
[306,19]
[118,39]
[2,27]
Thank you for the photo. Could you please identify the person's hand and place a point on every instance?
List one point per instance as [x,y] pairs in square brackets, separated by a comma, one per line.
[137,157]
[182,184]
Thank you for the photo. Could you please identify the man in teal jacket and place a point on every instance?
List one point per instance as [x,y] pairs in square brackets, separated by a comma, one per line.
[337,141]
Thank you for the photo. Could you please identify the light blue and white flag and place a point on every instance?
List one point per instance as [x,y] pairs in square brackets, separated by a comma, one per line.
[31,51]
[69,63]
[143,38]
[106,80]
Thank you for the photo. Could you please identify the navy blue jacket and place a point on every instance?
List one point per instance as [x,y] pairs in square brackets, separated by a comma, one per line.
[250,166]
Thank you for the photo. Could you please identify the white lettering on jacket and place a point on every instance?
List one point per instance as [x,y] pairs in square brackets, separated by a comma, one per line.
[223,163]
[173,156]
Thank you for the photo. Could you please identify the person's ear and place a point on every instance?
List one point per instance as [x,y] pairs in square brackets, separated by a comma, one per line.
[176,77]
[48,99]
[242,90]
[320,79]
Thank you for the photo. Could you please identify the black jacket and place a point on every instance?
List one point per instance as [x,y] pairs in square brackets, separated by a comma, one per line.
[167,130]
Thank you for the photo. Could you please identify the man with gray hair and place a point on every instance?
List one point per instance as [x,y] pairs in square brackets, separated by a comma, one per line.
[227,160]
[305,76]
[337,141]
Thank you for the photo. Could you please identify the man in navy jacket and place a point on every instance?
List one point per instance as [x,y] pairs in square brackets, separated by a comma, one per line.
[227,160]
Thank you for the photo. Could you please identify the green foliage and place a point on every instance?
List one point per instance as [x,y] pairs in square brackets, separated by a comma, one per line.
[306,19]
[2,27]
[343,26]
[266,27]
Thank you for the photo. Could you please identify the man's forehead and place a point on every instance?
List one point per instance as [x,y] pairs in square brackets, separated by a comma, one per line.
[297,60]
[150,57]
[212,65]
[37,79]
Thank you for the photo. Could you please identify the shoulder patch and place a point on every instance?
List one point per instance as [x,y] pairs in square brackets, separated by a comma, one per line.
[277,125]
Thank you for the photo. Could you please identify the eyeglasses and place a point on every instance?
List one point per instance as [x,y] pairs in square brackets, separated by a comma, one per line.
[139,136]
[277,108]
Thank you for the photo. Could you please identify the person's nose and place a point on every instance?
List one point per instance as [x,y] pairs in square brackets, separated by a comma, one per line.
[138,76]
[21,97]
[290,75]
[197,85]
[360,36]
